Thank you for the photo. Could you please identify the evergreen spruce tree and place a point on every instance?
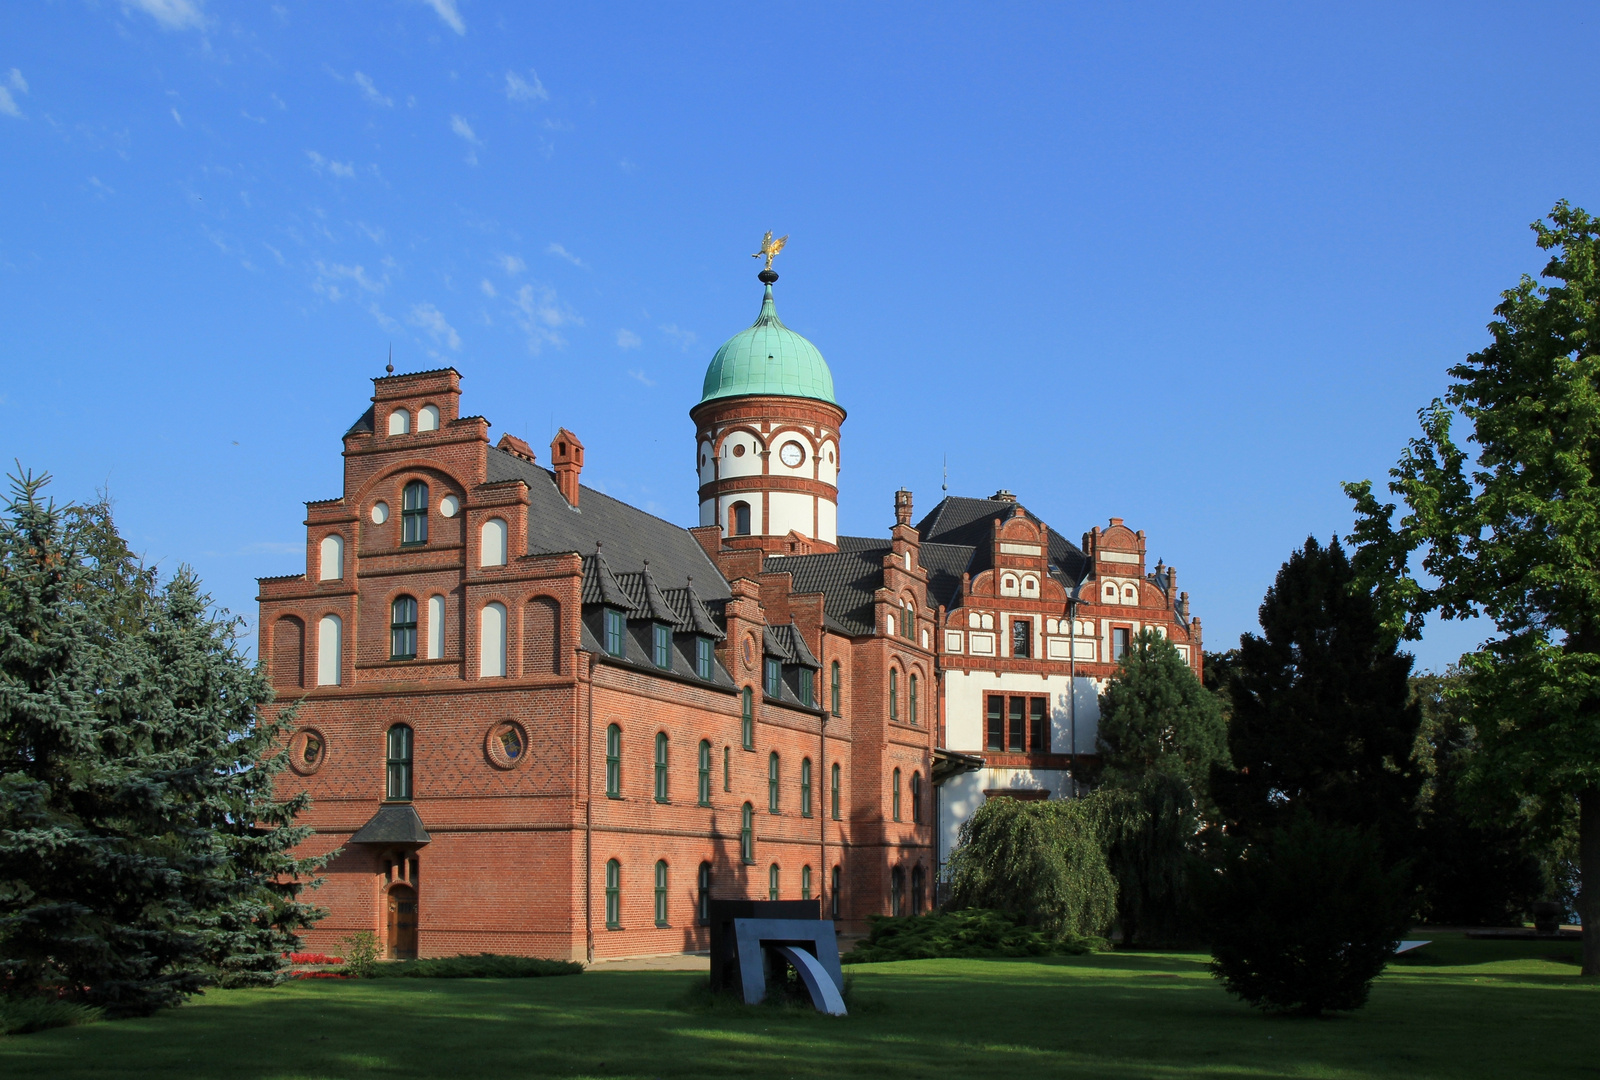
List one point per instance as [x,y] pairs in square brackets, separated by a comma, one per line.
[141,851]
[1322,717]
[1161,734]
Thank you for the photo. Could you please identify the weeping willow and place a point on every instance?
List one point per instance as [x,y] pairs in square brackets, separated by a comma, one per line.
[1044,863]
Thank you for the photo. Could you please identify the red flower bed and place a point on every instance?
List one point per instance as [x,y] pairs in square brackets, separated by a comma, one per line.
[317,975]
[313,958]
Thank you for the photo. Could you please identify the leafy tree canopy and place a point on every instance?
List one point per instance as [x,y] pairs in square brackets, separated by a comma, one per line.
[1513,532]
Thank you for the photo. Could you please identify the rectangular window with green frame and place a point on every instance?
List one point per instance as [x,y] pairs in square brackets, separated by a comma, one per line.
[661,645]
[615,628]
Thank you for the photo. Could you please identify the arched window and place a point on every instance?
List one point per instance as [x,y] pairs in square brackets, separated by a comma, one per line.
[747,719]
[661,892]
[703,788]
[747,836]
[614,762]
[435,627]
[833,893]
[288,651]
[613,895]
[1021,637]
[414,513]
[805,882]
[740,514]
[330,558]
[330,650]
[399,422]
[805,787]
[398,761]
[428,418]
[772,882]
[492,552]
[492,641]
[403,628]
[897,891]
[916,797]
[895,798]
[833,793]
[919,888]
[661,766]
[772,782]
[911,701]
[838,691]
[894,694]
[702,905]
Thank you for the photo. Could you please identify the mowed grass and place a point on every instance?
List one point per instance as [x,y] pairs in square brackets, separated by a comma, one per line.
[1458,1009]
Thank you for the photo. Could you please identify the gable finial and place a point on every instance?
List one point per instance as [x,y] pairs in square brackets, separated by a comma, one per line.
[390,367]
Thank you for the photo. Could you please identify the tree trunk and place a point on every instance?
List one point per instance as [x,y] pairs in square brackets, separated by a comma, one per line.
[1589,877]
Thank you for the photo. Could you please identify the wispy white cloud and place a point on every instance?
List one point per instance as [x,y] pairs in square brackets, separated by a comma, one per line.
[171,14]
[488,288]
[447,11]
[682,338]
[459,125]
[432,320]
[329,277]
[511,264]
[520,89]
[104,189]
[635,373]
[627,339]
[541,314]
[178,118]
[562,253]
[343,169]
[382,317]
[18,83]
[369,91]
[8,105]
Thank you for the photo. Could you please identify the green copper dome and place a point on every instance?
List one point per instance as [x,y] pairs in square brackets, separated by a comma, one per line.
[768,358]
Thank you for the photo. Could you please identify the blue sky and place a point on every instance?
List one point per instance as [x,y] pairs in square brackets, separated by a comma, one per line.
[1188,267]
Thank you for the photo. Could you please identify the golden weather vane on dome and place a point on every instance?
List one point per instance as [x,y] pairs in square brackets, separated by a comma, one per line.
[771,247]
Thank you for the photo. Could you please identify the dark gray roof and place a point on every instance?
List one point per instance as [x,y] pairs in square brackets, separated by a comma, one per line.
[847,578]
[394,823]
[363,424]
[958,524]
[629,535]
[787,643]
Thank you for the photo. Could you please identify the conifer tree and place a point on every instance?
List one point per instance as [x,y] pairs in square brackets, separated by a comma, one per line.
[1161,734]
[1322,720]
[141,851]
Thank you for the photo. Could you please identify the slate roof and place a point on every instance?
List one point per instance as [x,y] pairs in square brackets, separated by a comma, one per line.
[958,525]
[363,423]
[787,643]
[394,823]
[628,536]
[847,578]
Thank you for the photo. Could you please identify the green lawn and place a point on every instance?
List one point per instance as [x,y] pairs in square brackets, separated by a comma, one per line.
[1458,1009]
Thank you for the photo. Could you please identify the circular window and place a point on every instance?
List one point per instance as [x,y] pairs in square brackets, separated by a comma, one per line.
[738,450]
[380,512]
[507,744]
[449,506]
[307,751]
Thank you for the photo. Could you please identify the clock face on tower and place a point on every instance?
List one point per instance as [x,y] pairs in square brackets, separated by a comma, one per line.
[791,454]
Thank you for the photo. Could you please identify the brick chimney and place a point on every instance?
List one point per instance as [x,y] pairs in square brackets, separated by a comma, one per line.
[566,454]
[902,507]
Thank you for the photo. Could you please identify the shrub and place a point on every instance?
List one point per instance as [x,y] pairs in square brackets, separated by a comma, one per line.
[21,1015]
[973,933]
[481,966]
[1042,863]
[1303,922]
[361,953]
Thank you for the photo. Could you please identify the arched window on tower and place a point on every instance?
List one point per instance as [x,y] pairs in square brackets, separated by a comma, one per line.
[739,519]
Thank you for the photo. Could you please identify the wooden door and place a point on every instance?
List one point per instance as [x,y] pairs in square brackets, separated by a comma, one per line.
[402,923]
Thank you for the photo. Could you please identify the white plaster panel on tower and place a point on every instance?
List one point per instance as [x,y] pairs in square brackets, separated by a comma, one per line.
[706,461]
[828,463]
[708,512]
[741,455]
[790,510]
[827,521]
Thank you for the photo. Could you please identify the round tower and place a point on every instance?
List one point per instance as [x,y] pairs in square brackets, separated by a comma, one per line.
[767,439]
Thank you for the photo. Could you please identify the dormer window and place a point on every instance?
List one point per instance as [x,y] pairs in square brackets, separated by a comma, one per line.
[661,645]
[414,513]
[613,627]
[774,677]
[807,687]
[702,657]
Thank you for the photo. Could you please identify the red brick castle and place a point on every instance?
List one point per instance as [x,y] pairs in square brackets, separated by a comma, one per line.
[538,720]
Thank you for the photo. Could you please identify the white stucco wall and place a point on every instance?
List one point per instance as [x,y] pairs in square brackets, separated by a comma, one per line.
[959,797]
[746,464]
[964,708]
[789,510]
[827,521]
[828,471]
